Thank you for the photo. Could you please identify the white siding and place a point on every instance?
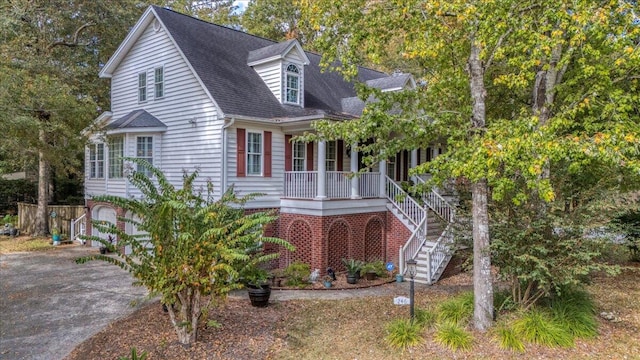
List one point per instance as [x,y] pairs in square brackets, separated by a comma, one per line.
[272,187]
[293,56]
[193,136]
[271,74]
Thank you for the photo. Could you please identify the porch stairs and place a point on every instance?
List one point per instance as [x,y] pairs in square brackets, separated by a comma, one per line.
[430,221]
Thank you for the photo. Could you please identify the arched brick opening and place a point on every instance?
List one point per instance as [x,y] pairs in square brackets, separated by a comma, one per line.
[299,235]
[374,240]
[338,239]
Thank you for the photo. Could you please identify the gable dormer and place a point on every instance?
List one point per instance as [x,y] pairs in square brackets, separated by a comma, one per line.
[281,67]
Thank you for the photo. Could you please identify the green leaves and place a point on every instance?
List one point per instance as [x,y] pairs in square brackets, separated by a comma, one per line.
[189,246]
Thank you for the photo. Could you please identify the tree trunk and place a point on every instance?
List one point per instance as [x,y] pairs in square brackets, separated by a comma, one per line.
[482,284]
[42,225]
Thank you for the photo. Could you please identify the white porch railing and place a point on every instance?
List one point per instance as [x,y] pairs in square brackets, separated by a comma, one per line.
[338,185]
[78,228]
[369,185]
[300,184]
[304,184]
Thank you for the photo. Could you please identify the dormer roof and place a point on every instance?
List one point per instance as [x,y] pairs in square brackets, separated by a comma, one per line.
[397,81]
[276,52]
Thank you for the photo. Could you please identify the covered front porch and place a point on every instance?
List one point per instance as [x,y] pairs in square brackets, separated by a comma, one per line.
[316,171]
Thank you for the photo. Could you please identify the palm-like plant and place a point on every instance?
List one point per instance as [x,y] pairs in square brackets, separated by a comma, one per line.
[192,247]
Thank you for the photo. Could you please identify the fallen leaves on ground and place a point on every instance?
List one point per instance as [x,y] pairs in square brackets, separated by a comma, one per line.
[354,329]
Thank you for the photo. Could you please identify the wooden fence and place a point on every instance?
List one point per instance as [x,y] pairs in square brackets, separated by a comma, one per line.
[64,214]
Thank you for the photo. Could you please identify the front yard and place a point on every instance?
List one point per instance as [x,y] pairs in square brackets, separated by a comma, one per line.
[355,328]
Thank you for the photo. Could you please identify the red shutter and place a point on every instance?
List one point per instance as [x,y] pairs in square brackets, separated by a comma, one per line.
[310,156]
[267,153]
[241,142]
[339,156]
[288,156]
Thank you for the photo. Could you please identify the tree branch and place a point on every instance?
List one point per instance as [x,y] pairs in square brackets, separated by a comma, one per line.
[495,48]
[74,40]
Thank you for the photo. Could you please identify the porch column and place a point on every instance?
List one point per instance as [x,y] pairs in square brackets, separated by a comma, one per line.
[321,193]
[414,163]
[355,181]
[383,178]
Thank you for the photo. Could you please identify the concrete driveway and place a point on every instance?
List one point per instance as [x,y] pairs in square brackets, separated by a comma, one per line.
[49,304]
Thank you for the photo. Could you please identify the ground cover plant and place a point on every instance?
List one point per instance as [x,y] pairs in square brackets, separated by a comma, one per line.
[356,328]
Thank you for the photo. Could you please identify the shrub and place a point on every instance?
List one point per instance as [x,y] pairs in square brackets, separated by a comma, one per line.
[453,336]
[575,312]
[378,267]
[456,310]
[539,327]
[297,273]
[192,247]
[508,339]
[134,355]
[424,318]
[401,333]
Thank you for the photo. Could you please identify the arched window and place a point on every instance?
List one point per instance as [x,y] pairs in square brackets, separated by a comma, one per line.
[292,85]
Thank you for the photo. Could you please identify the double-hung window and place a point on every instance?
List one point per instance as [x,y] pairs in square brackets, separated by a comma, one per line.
[391,167]
[142,87]
[331,157]
[254,153]
[158,81]
[144,150]
[299,156]
[292,83]
[116,151]
[96,161]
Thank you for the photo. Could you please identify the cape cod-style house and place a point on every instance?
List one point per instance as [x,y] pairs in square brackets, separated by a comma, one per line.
[189,94]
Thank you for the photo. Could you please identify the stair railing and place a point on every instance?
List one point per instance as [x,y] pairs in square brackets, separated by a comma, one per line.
[438,204]
[78,228]
[404,202]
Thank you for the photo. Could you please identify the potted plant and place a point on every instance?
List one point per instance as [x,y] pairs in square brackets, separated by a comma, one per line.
[373,269]
[257,286]
[353,270]
[55,236]
[10,225]
[327,281]
[104,248]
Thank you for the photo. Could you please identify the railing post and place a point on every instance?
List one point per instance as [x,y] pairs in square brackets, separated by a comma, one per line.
[429,267]
[321,192]
[383,178]
[355,186]
[401,261]
[72,235]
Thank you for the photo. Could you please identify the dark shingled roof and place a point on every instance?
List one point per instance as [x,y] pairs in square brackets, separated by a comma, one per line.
[219,57]
[269,51]
[136,119]
[389,82]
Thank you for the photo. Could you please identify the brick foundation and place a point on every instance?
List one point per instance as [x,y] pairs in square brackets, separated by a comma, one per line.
[323,241]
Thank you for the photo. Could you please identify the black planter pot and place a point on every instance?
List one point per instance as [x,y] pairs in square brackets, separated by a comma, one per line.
[259,294]
[351,278]
[103,250]
[370,276]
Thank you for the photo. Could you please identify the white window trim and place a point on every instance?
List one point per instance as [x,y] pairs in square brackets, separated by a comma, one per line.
[94,163]
[294,158]
[141,87]
[155,83]
[145,157]
[249,153]
[298,75]
[116,160]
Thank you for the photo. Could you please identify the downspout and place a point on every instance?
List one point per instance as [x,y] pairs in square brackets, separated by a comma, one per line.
[223,170]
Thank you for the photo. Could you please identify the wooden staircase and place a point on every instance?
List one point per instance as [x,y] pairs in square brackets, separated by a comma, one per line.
[431,241]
